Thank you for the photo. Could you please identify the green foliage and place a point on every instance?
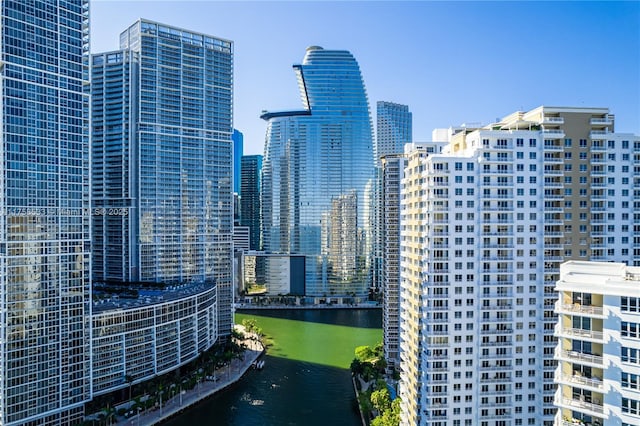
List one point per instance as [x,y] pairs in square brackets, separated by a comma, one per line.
[365,404]
[364,353]
[390,417]
[357,368]
[381,400]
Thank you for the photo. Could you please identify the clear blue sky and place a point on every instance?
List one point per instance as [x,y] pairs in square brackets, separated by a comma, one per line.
[451,62]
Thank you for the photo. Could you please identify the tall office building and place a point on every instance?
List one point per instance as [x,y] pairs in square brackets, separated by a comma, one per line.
[162,160]
[317,175]
[598,374]
[250,185]
[485,226]
[394,128]
[238,141]
[45,295]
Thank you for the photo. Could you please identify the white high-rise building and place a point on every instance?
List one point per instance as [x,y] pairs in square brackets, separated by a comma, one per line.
[391,175]
[484,228]
[598,352]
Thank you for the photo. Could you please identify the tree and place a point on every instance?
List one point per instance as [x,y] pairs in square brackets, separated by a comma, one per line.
[129,380]
[364,353]
[381,400]
[356,367]
[390,417]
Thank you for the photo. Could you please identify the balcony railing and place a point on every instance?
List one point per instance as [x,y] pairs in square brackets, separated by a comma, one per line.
[578,308]
[578,332]
[579,356]
[593,382]
[576,403]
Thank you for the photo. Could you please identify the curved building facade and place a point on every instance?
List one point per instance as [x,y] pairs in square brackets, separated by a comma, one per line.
[151,335]
[317,171]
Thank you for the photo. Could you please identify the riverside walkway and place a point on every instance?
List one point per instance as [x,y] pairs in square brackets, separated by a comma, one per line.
[223,377]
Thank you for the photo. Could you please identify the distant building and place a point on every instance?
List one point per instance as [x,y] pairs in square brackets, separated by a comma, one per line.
[241,238]
[280,274]
[393,131]
[484,228]
[394,128]
[45,293]
[162,161]
[238,141]
[598,352]
[250,186]
[318,163]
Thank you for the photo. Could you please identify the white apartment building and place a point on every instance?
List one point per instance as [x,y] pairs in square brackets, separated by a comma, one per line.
[484,228]
[598,374]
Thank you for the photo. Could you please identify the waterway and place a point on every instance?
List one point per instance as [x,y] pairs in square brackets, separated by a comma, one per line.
[306,379]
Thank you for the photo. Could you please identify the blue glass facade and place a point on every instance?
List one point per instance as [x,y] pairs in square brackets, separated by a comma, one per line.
[317,176]
[238,142]
[163,206]
[394,127]
[44,226]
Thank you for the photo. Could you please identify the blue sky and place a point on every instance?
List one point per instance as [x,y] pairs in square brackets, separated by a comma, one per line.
[451,62]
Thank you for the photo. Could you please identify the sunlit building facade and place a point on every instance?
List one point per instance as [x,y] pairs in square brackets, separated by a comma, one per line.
[598,351]
[45,292]
[138,339]
[394,128]
[484,228]
[162,160]
[317,176]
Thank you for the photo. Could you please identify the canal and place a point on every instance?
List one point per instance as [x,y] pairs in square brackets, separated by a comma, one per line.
[306,378]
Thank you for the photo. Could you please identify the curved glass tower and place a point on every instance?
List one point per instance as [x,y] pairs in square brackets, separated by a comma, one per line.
[317,172]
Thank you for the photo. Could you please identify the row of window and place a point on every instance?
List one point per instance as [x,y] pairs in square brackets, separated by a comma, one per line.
[630,304]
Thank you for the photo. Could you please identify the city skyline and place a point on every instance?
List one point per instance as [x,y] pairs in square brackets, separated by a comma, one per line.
[424,60]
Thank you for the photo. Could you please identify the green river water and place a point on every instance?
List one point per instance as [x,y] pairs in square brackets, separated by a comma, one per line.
[306,379]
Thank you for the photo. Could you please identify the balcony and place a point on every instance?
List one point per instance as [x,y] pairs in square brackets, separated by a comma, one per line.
[552,134]
[593,383]
[578,332]
[598,134]
[573,356]
[579,405]
[601,121]
[552,120]
[576,308]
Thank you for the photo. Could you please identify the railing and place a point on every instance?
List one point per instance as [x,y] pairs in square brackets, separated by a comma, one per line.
[579,356]
[586,381]
[579,332]
[582,309]
[575,403]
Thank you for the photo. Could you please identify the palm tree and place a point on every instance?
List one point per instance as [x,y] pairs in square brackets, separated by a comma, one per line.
[129,379]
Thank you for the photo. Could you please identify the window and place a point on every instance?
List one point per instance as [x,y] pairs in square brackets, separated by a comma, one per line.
[629,329]
[630,304]
[630,406]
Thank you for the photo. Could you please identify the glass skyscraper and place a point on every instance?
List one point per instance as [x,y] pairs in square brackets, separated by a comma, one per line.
[394,128]
[317,176]
[44,225]
[162,160]
[238,142]
[250,184]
